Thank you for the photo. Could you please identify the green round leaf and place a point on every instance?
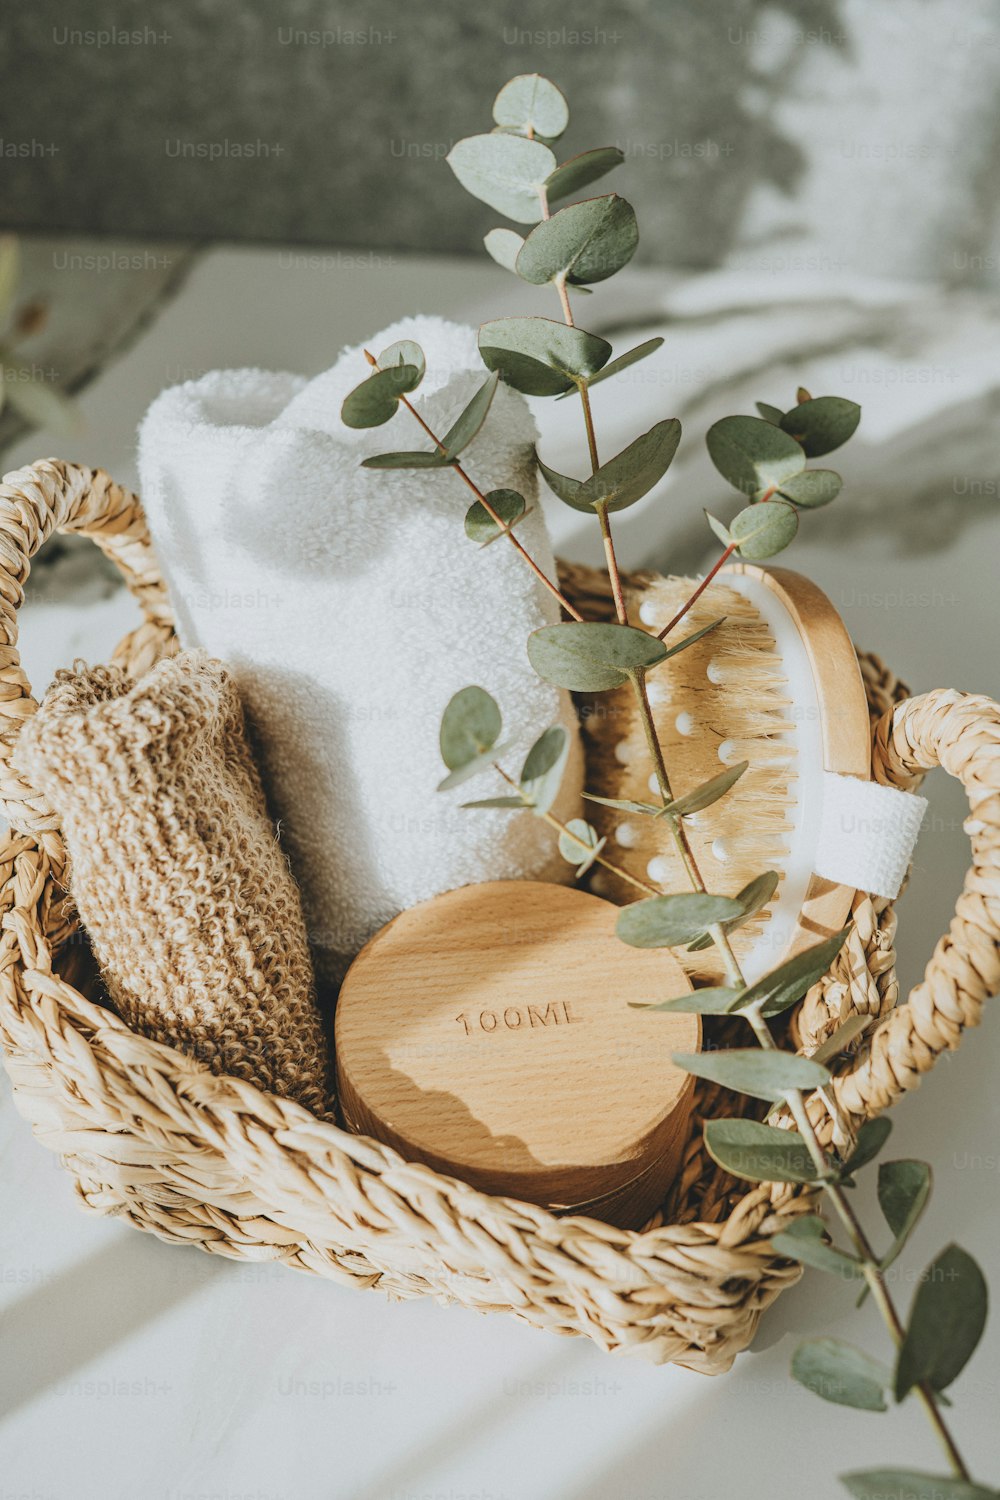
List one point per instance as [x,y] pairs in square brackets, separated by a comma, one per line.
[870,1139]
[474,767]
[374,401]
[591,657]
[714,1001]
[479,524]
[753,455]
[504,246]
[806,1241]
[539,356]
[407,460]
[632,357]
[759,1153]
[543,768]
[506,171]
[770,413]
[467,424]
[786,984]
[903,1190]
[812,488]
[470,726]
[580,844]
[531,102]
[946,1322]
[586,242]
[580,171]
[822,423]
[909,1484]
[841,1373]
[763,529]
[669,921]
[405,352]
[751,1070]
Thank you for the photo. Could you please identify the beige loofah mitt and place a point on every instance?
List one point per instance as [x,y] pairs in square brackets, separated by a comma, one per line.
[175,869]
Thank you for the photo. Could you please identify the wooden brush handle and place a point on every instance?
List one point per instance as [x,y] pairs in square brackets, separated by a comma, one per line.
[36,501]
[961,732]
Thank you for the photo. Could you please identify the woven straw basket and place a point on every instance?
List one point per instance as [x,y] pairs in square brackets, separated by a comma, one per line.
[153,1136]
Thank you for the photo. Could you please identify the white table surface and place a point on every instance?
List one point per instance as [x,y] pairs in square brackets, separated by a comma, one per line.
[134,1369]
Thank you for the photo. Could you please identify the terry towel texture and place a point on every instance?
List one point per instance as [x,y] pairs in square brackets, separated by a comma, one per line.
[351,606]
[176,872]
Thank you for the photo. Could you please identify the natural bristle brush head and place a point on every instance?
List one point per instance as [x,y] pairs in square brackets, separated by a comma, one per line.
[777,685]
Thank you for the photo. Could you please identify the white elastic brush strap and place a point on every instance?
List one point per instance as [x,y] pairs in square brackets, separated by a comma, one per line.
[867,834]
[855,833]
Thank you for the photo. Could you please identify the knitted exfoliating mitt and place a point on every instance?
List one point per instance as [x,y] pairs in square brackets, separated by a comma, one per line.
[175,869]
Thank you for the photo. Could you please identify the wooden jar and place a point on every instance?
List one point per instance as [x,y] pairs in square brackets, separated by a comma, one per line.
[487,1033]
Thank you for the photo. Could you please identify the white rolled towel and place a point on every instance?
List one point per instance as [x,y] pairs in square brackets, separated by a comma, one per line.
[350,606]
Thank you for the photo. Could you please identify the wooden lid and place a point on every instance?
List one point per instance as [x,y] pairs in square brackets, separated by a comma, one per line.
[487,1033]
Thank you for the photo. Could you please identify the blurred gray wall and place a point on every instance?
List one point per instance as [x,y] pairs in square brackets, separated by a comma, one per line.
[863,131]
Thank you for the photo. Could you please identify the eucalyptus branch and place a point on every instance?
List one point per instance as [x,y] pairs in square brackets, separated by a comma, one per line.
[764,459]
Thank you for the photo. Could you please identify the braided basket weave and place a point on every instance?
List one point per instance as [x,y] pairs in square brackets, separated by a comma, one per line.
[153,1136]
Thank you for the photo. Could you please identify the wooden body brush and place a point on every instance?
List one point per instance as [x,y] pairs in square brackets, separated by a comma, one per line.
[777,684]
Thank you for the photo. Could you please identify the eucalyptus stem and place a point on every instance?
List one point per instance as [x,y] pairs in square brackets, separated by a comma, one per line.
[703,585]
[563,828]
[490,510]
[870,1265]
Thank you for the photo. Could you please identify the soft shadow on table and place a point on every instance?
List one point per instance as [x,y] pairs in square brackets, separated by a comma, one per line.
[88,1309]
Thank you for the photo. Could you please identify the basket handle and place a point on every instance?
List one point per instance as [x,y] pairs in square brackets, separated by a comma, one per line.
[961,732]
[36,501]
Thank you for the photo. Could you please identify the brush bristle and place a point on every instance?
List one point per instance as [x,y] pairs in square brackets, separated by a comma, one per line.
[721,700]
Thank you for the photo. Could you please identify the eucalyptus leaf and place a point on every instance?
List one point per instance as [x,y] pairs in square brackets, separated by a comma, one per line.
[474,767]
[479,524]
[669,921]
[841,1373]
[752,898]
[539,356]
[711,1001]
[580,844]
[543,769]
[841,1039]
[375,400]
[753,455]
[904,1188]
[586,242]
[591,657]
[405,352]
[624,804]
[759,1153]
[408,459]
[806,1240]
[710,791]
[752,1071]
[812,488]
[822,423]
[870,1139]
[945,1324]
[786,984]
[625,478]
[770,413]
[530,102]
[909,1484]
[506,171]
[467,425]
[504,245]
[718,530]
[470,725]
[501,804]
[580,171]
[764,529]
[689,640]
[632,357]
